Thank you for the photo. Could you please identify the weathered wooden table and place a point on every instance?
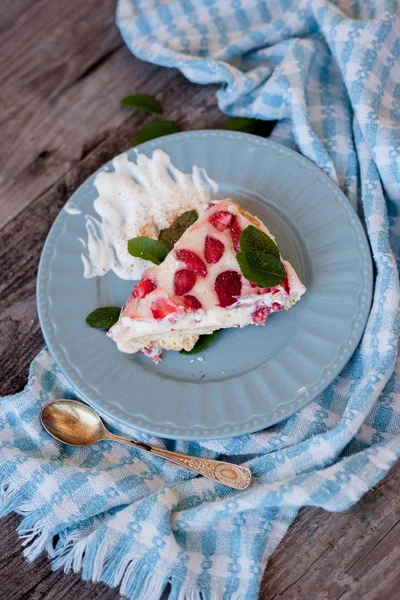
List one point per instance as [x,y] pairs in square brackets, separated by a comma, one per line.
[63,71]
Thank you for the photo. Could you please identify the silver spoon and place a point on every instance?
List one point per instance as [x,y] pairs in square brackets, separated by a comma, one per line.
[76,424]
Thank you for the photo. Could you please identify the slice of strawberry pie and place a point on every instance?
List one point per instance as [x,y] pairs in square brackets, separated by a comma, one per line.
[200,286]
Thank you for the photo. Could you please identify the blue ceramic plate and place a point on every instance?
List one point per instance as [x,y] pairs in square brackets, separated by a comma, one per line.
[249,378]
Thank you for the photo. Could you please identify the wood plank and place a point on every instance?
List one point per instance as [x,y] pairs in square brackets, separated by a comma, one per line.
[62,38]
[20,580]
[51,142]
[348,555]
[10,12]
[64,100]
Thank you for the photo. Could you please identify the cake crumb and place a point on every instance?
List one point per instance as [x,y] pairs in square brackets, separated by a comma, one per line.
[192,360]
[200,358]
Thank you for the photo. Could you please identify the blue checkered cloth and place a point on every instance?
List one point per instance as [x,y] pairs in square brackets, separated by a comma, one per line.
[329,73]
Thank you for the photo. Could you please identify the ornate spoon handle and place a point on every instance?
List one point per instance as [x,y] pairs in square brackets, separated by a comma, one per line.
[234,476]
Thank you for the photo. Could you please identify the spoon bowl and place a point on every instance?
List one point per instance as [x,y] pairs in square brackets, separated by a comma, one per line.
[72,423]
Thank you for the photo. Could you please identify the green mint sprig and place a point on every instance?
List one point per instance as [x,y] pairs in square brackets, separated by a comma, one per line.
[172,234]
[155,130]
[104,318]
[148,249]
[142,102]
[259,258]
[202,343]
[240,124]
[156,251]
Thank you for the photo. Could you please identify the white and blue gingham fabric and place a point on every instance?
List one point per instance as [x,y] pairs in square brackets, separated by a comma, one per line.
[329,73]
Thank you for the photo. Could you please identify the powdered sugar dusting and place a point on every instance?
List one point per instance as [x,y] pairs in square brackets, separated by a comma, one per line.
[138,199]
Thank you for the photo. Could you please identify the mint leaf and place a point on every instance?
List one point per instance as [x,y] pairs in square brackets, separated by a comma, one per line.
[104,318]
[148,249]
[142,102]
[253,239]
[240,124]
[155,130]
[174,232]
[259,258]
[156,251]
[202,343]
[265,270]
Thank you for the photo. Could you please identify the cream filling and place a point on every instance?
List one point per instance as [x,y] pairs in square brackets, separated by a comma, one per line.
[132,334]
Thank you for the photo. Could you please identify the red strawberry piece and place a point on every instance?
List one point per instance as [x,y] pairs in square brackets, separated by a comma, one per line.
[221,220]
[213,249]
[163,307]
[192,261]
[143,288]
[285,285]
[228,286]
[260,315]
[154,352]
[236,230]
[253,285]
[192,302]
[184,280]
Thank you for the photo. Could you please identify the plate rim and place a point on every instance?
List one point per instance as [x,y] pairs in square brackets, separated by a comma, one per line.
[255,423]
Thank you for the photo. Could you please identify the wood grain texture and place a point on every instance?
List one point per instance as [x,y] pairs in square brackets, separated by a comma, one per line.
[63,70]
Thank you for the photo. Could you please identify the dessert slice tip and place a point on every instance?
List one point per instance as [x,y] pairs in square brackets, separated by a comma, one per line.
[199,288]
